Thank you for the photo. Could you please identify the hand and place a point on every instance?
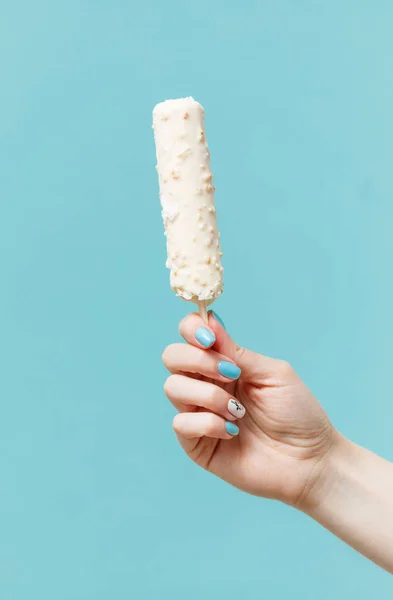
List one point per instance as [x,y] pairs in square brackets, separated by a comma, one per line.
[280,444]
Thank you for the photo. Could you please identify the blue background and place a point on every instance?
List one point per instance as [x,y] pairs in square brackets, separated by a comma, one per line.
[96,499]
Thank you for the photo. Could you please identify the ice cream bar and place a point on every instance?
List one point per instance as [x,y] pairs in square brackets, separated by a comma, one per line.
[187,201]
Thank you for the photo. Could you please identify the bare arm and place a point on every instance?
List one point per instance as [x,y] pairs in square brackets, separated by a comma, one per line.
[353,499]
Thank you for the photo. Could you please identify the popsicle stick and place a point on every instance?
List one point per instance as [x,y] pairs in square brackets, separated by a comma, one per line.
[203,310]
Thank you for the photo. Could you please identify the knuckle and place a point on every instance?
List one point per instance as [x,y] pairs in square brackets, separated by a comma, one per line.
[168,385]
[210,424]
[168,354]
[176,423]
[285,368]
[200,359]
[173,384]
[184,323]
[164,356]
[215,395]
[241,353]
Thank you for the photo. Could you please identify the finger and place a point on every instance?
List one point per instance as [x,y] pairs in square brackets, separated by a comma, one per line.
[189,426]
[187,394]
[224,344]
[257,368]
[196,332]
[183,358]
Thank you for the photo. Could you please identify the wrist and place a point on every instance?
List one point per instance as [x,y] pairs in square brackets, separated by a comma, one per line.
[352,499]
[326,475]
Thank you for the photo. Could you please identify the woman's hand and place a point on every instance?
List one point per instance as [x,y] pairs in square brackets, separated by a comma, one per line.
[244,417]
[251,421]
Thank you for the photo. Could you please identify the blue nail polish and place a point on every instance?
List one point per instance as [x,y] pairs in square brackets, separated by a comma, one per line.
[205,337]
[217,318]
[231,428]
[228,369]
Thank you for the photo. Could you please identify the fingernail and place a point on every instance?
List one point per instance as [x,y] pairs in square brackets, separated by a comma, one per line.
[236,409]
[217,318]
[228,369]
[205,337]
[231,428]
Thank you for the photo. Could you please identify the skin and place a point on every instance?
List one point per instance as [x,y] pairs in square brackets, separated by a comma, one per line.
[286,449]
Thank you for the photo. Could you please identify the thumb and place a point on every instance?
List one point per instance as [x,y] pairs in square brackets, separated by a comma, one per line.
[224,344]
[256,368]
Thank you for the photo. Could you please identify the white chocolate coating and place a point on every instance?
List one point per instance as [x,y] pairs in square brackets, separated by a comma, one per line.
[187,200]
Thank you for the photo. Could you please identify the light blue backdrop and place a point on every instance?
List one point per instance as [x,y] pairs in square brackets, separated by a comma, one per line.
[97,502]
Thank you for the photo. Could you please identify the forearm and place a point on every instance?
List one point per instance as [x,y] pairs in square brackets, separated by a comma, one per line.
[354,500]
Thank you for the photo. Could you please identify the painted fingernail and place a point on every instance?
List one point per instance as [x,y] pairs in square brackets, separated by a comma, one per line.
[205,337]
[217,318]
[231,428]
[236,409]
[228,369]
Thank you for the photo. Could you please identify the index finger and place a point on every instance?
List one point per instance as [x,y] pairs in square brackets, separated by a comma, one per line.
[196,332]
